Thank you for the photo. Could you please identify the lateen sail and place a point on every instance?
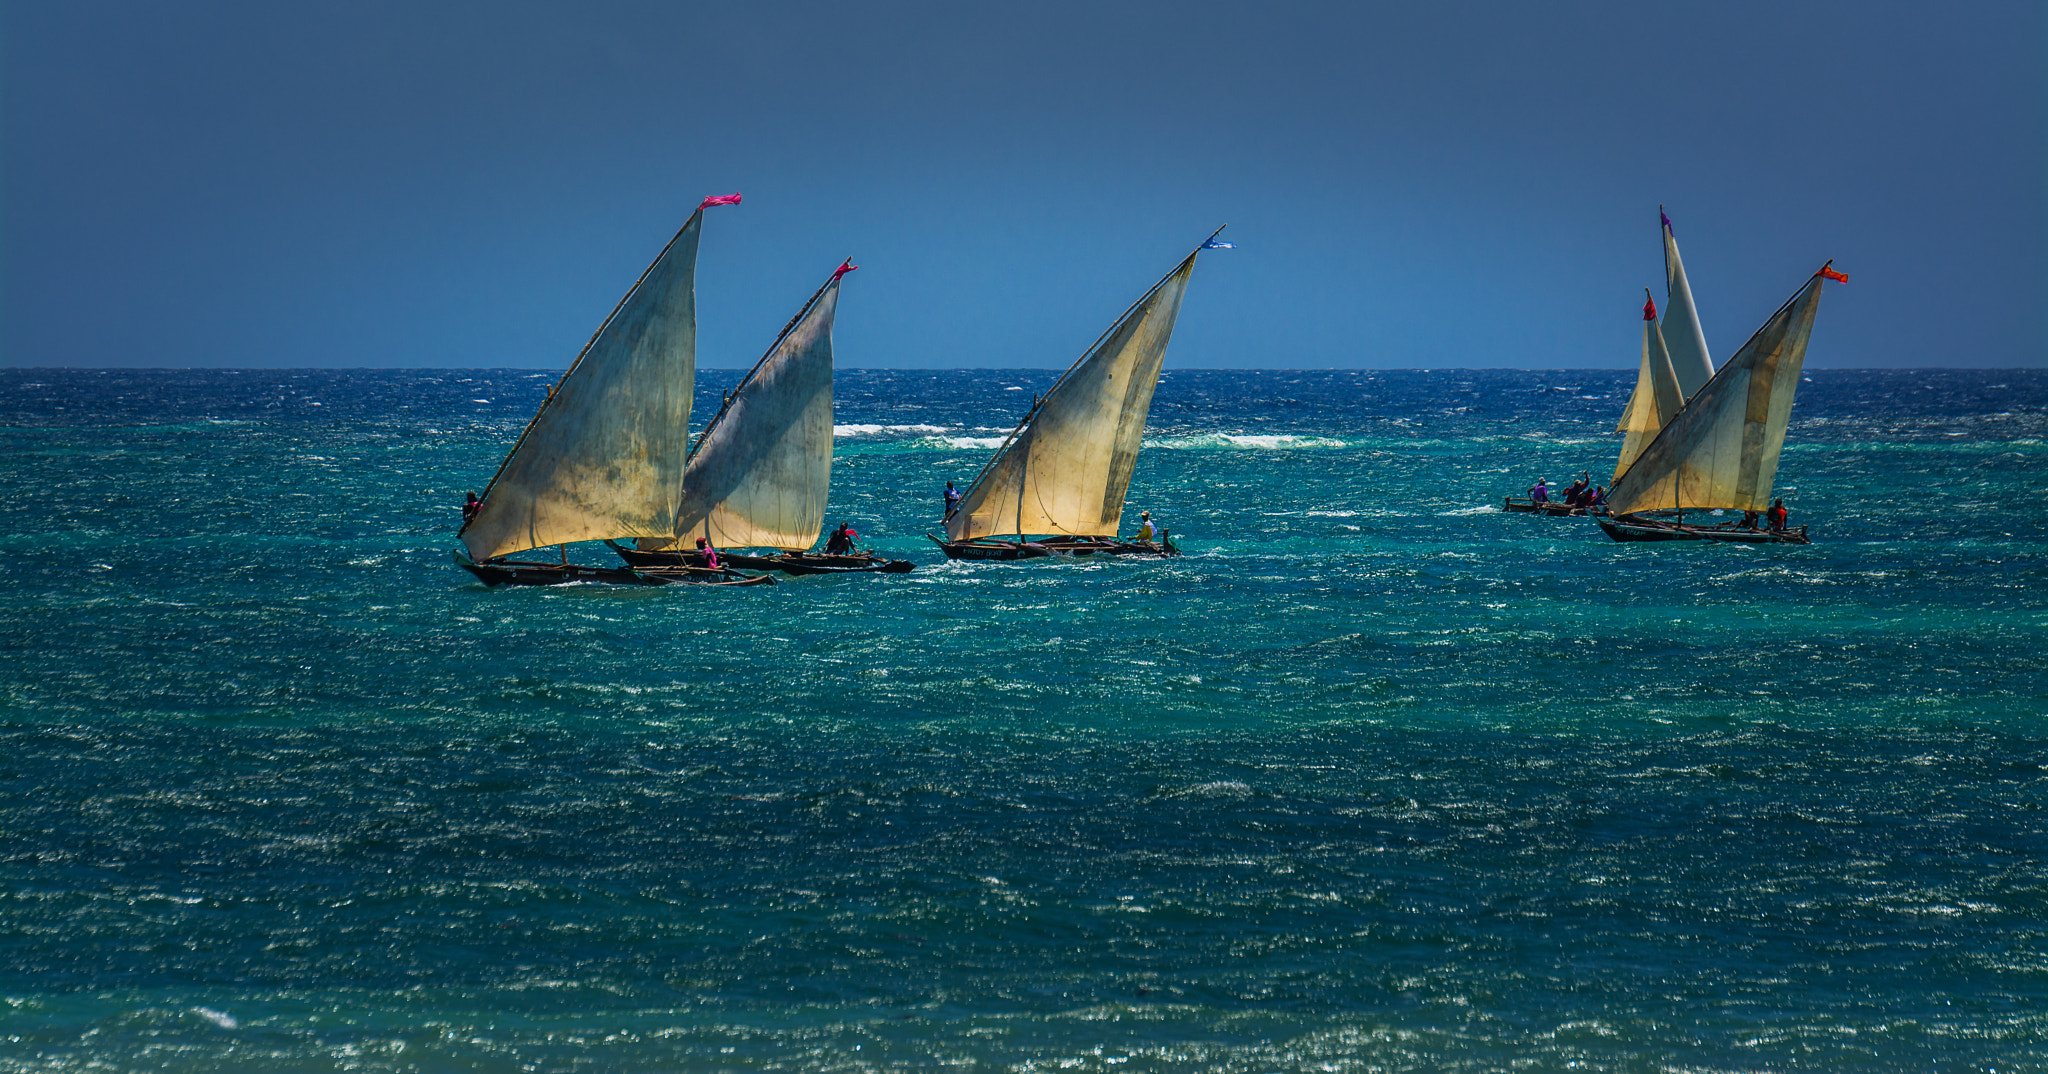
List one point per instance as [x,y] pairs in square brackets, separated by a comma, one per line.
[1656,399]
[1721,451]
[1066,468]
[1682,333]
[604,456]
[762,468]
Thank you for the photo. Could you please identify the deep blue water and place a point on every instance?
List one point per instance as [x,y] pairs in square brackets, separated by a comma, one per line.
[1376,778]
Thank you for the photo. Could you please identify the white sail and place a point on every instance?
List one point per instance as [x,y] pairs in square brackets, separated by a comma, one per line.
[1721,451]
[1682,333]
[761,470]
[1067,467]
[604,456]
[1656,398]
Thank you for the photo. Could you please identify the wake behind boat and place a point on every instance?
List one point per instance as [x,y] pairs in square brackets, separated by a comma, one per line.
[1064,471]
[603,457]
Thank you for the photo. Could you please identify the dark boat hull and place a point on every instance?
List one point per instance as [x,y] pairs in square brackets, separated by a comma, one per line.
[1638,528]
[497,572]
[786,562]
[513,572]
[1552,508]
[989,548]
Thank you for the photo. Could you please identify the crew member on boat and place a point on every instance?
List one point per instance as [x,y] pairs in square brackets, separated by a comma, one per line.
[1597,497]
[841,541]
[1540,492]
[709,553]
[1576,489]
[1777,514]
[470,507]
[952,499]
[1144,525]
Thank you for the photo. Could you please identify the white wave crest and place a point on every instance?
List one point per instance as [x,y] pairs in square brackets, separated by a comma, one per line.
[1261,442]
[219,1018]
[886,430]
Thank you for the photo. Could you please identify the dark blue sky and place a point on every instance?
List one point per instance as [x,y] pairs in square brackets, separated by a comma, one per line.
[408,184]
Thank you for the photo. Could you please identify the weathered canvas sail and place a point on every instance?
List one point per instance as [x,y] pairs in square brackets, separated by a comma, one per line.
[1656,398]
[1066,468]
[1721,451]
[1682,333]
[763,466]
[604,456]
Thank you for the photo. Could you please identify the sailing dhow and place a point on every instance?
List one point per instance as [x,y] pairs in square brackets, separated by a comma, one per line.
[1064,470]
[1675,365]
[760,472]
[604,455]
[1719,451]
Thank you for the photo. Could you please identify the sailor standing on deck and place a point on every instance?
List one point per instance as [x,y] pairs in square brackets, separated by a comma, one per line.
[952,500]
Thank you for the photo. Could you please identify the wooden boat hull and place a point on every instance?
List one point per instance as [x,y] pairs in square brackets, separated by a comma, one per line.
[1552,508]
[1638,528]
[786,562]
[985,548]
[498,572]
[989,548]
[706,576]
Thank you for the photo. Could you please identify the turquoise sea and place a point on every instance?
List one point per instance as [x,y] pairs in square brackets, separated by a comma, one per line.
[1377,778]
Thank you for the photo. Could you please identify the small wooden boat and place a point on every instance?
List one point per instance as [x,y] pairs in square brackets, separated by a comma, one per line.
[1553,508]
[786,562]
[1643,527]
[604,455]
[497,572]
[706,576]
[991,548]
[995,548]
[1065,470]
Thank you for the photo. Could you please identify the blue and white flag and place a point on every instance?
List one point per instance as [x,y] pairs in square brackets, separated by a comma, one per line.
[1219,244]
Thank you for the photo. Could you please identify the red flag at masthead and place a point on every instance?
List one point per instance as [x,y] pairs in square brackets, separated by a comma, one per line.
[719,199]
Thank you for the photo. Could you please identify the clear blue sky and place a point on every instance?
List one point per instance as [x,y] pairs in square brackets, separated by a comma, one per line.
[1421,185]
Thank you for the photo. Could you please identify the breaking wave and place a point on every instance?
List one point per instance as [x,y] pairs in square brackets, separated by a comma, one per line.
[1261,442]
[885,430]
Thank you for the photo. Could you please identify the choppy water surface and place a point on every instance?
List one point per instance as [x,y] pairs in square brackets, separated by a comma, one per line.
[1376,778]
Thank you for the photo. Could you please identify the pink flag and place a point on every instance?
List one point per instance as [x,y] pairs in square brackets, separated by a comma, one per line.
[844,268]
[720,199]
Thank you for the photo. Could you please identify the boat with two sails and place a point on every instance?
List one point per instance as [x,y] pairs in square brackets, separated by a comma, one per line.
[604,456]
[759,474]
[1056,484]
[1705,441]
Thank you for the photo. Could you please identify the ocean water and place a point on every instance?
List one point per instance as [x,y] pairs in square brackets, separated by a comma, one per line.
[1376,778]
